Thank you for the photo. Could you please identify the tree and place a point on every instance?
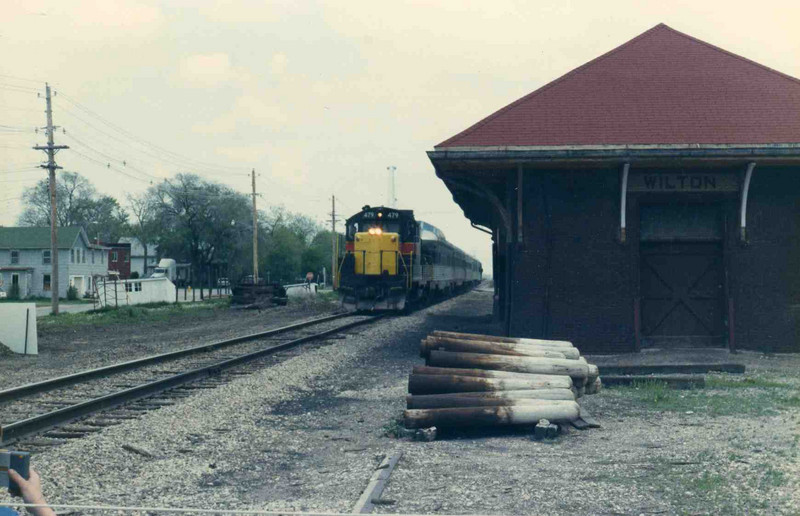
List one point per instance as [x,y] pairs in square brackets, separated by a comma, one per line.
[105,219]
[200,221]
[144,220]
[77,204]
[73,193]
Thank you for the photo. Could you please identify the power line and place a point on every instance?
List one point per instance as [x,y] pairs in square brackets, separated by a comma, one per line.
[18,89]
[21,79]
[109,167]
[21,170]
[112,158]
[18,180]
[185,159]
[157,157]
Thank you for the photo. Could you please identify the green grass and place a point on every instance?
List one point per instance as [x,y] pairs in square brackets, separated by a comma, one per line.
[322,298]
[708,482]
[742,382]
[724,395]
[45,301]
[149,312]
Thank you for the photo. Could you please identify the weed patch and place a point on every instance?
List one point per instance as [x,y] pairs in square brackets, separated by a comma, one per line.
[135,314]
[724,395]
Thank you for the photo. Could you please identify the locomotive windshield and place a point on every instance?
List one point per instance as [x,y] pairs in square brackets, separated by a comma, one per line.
[361,227]
[387,219]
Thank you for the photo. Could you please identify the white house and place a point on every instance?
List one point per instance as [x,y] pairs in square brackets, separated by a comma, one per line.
[137,256]
[26,261]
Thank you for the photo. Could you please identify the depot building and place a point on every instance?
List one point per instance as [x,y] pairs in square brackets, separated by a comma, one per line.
[649,198]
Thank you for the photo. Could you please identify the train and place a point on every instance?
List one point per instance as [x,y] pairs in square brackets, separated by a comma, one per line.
[392,260]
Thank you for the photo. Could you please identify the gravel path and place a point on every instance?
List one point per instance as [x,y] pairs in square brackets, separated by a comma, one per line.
[307,433]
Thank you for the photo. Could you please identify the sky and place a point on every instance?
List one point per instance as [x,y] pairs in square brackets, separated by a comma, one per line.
[318,97]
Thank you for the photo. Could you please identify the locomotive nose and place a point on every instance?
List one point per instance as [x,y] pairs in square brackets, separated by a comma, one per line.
[376,253]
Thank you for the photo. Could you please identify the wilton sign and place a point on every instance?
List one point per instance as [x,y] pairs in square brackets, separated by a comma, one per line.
[679,182]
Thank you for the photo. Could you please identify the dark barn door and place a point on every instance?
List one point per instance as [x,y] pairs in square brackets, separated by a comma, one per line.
[681,273]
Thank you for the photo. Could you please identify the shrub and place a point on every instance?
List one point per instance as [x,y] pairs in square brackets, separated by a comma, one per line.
[135,275]
[72,293]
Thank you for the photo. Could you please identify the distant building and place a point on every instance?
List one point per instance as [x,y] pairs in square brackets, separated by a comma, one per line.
[119,258]
[137,263]
[25,260]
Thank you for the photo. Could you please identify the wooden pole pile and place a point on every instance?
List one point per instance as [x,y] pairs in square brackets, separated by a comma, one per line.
[473,380]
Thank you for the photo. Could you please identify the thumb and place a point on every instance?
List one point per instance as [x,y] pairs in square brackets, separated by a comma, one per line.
[16,477]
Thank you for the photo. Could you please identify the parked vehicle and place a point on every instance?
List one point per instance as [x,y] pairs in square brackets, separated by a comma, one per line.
[166,269]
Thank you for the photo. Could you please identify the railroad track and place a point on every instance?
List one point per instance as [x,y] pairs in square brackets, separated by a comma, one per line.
[108,395]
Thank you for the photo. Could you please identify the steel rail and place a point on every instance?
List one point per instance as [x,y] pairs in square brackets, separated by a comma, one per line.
[61,381]
[20,429]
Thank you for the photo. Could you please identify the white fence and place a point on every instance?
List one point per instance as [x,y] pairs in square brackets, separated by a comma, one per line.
[112,292]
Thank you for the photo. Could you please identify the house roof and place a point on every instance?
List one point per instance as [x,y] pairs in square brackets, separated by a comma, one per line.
[661,88]
[37,237]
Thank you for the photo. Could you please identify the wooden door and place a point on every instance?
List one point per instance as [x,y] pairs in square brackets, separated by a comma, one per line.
[682,294]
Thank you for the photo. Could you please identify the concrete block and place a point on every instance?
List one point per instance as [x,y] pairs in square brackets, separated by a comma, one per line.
[15,334]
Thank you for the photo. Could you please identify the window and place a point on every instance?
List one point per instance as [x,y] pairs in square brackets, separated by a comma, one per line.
[114,256]
[127,257]
[128,287]
[46,259]
[137,287]
[92,255]
[14,257]
[46,282]
[84,256]
[72,256]
[102,258]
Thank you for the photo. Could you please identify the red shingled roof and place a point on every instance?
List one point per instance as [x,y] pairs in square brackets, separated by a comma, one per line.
[662,87]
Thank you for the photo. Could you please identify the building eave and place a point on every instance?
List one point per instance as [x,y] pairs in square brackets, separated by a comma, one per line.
[782,151]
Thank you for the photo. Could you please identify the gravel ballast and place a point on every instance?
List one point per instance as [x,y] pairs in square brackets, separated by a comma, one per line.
[67,349]
[307,433]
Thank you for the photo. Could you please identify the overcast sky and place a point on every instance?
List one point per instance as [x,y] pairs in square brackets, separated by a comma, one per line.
[318,97]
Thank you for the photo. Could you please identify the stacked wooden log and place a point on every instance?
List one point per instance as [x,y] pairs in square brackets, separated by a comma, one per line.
[473,380]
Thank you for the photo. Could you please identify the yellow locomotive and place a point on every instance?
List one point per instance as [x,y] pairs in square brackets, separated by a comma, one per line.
[392,259]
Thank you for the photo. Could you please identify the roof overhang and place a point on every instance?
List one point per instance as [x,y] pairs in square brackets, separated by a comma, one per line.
[782,152]
[465,169]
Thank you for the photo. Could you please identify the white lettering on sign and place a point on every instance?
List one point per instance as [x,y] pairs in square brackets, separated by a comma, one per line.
[660,182]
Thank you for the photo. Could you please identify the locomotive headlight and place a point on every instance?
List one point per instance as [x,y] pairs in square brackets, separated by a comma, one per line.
[380,214]
[378,231]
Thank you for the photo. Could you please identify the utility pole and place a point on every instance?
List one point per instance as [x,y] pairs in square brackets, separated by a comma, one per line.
[51,149]
[255,232]
[334,243]
[392,193]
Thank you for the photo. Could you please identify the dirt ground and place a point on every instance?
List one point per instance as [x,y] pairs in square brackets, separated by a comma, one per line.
[308,432]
